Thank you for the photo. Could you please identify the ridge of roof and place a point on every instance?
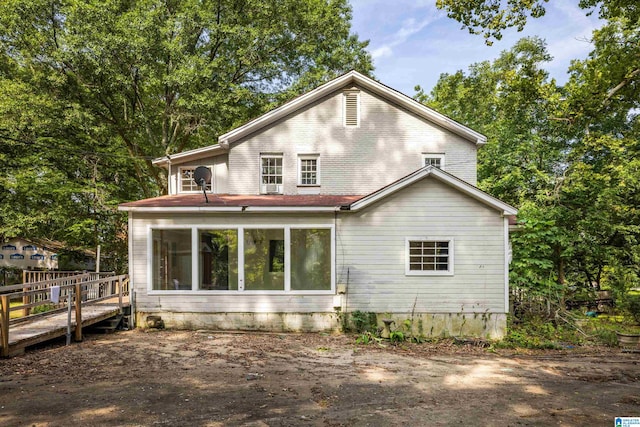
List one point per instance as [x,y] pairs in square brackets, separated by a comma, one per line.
[441,176]
[351,77]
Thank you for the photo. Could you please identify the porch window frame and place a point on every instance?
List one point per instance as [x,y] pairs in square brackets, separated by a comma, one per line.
[195,259]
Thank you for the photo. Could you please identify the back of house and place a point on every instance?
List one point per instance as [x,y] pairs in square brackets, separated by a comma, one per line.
[352,197]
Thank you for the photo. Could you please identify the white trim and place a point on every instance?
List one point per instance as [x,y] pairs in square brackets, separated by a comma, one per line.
[506,264]
[198,153]
[315,157]
[195,258]
[181,209]
[450,256]
[353,77]
[442,176]
[433,156]
[227,209]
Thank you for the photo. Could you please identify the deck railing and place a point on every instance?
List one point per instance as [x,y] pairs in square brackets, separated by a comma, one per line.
[79,290]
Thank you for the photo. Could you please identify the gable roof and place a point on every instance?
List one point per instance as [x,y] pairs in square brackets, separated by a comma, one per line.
[441,176]
[350,78]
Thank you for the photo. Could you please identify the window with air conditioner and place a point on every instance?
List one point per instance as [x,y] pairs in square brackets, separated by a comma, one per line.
[271,174]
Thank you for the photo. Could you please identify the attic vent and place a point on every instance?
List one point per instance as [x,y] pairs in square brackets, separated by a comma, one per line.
[352,109]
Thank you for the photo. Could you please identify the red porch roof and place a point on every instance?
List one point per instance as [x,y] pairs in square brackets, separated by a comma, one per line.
[234,200]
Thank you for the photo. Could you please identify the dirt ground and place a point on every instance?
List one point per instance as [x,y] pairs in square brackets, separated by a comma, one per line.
[205,378]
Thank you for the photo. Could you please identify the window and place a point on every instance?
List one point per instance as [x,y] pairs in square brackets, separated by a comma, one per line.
[187,184]
[436,160]
[311,259]
[218,260]
[273,259]
[308,170]
[171,259]
[271,174]
[9,248]
[429,256]
[37,257]
[30,248]
[264,259]
[16,256]
[351,108]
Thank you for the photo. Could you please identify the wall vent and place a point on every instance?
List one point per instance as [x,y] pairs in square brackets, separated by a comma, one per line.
[351,109]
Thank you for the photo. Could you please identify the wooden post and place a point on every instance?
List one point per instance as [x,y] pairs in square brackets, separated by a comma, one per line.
[78,289]
[120,292]
[4,324]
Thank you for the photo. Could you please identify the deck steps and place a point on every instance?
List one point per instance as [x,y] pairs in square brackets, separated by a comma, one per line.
[109,325]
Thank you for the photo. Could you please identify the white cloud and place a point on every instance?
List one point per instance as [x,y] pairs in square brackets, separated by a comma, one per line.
[409,28]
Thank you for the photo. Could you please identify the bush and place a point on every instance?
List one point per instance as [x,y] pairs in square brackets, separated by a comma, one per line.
[632,307]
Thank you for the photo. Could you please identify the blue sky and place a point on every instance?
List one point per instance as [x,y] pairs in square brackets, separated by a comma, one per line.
[412,42]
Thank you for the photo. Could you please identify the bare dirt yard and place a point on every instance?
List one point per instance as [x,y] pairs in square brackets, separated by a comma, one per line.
[205,378]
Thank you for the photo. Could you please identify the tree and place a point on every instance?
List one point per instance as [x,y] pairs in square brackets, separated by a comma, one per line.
[490,17]
[91,92]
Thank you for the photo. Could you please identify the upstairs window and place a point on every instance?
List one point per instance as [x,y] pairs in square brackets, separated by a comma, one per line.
[187,184]
[436,160]
[429,256]
[308,170]
[271,174]
[351,108]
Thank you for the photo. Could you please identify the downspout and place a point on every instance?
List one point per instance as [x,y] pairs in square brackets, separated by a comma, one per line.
[169,175]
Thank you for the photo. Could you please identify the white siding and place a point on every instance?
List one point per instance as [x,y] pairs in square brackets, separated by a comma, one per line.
[371,246]
[220,165]
[201,303]
[387,145]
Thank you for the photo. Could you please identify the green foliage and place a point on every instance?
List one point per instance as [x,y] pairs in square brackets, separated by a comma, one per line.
[632,307]
[43,308]
[491,18]
[364,321]
[397,336]
[91,92]
[367,337]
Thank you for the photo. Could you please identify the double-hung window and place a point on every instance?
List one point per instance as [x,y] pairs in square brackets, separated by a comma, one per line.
[308,170]
[187,184]
[436,160]
[271,174]
[429,256]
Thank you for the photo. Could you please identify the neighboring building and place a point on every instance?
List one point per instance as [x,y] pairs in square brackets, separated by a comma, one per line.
[350,197]
[24,254]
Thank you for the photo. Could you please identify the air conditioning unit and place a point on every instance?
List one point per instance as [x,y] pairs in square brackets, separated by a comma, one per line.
[272,188]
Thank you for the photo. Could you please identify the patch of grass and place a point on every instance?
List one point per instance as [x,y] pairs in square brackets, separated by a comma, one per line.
[17,313]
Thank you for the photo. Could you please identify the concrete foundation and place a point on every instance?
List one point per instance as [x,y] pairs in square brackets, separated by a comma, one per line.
[479,325]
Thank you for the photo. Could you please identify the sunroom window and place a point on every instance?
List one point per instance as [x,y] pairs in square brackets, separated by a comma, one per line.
[171,259]
[218,265]
[258,259]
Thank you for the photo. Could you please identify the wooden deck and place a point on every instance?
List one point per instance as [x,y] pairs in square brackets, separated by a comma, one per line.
[93,298]
[42,329]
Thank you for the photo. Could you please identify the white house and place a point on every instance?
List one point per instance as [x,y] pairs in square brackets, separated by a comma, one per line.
[350,197]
